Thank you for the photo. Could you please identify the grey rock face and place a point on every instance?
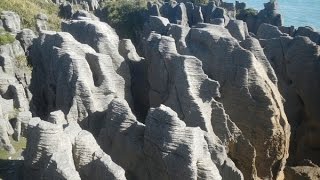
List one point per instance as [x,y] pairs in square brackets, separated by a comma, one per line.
[217,39]
[268,15]
[41,22]
[13,93]
[308,32]
[175,151]
[121,136]
[26,37]
[238,29]
[11,21]
[180,85]
[104,40]
[295,62]
[65,10]
[72,77]
[139,78]
[287,30]
[253,45]
[4,138]
[204,41]
[55,152]
[268,31]
[156,23]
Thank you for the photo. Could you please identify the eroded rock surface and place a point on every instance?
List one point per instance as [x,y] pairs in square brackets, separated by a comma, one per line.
[217,49]
[66,152]
[72,77]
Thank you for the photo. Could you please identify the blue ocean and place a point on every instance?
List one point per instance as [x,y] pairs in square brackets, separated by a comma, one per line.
[294,12]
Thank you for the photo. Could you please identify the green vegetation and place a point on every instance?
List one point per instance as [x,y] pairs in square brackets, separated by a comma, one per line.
[22,63]
[28,9]
[6,38]
[19,146]
[243,14]
[126,16]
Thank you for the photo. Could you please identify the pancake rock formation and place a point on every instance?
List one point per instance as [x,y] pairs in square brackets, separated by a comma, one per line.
[203,91]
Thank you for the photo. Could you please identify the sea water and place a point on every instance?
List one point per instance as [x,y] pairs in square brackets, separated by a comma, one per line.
[294,12]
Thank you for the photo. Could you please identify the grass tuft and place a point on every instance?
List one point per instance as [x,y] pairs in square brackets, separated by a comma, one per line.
[6,38]
[28,9]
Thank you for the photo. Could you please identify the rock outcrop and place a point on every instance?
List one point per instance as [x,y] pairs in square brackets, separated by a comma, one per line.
[217,49]
[121,136]
[10,21]
[42,22]
[72,77]
[175,151]
[269,15]
[207,97]
[14,93]
[66,152]
[295,62]
[104,40]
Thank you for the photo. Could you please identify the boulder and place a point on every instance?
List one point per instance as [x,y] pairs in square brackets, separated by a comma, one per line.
[42,22]
[238,29]
[26,37]
[269,15]
[11,21]
[268,31]
[310,33]
[287,30]
[156,23]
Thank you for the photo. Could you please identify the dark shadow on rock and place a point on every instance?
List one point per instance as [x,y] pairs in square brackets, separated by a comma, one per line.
[11,169]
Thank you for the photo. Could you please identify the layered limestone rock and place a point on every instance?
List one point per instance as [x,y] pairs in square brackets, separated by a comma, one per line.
[131,145]
[309,32]
[184,12]
[139,78]
[72,77]
[58,151]
[183,86]
[269,15]
[295,62]
[175,151]
[14,94]
[101,37]
[122,136]
[247,85]
[234,68]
